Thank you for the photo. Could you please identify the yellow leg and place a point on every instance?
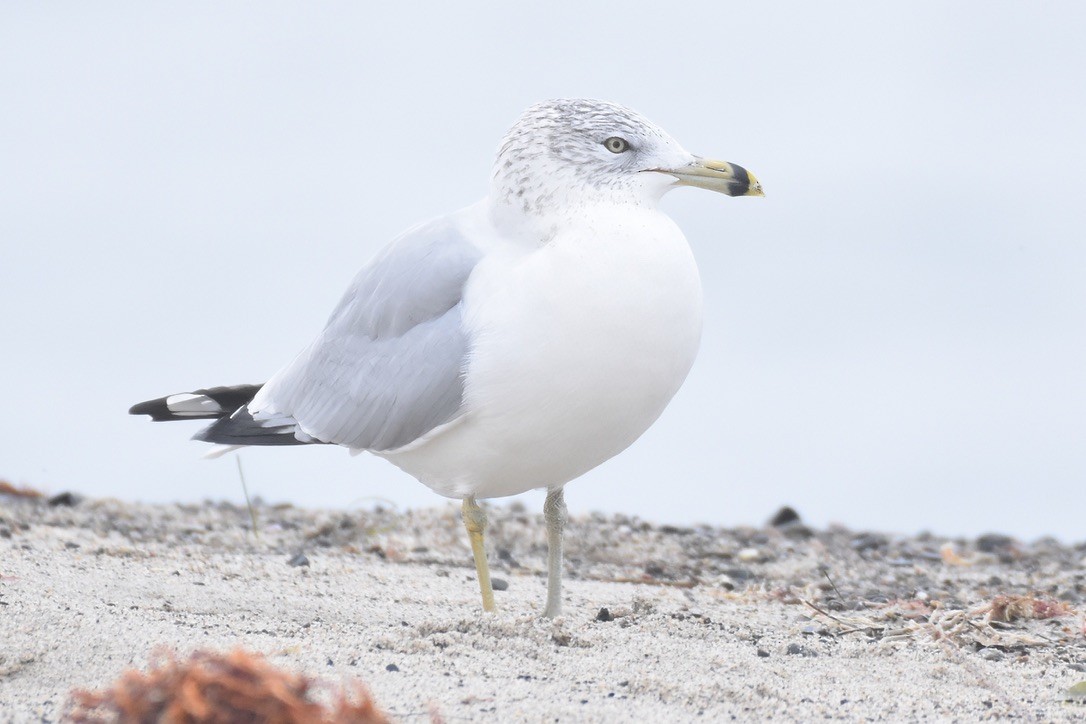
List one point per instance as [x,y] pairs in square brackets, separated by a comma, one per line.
[475,522]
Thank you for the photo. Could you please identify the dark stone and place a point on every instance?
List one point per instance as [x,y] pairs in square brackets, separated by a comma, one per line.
[604,615]
[869,541]
[738,574]
[65,499]
[797,650]
[994,542]
[299,559]
[392,667]
[785,516]
[499,584]
[506,557]
[763,654]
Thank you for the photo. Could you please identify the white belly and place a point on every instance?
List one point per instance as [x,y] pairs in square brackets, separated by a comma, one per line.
[577,347]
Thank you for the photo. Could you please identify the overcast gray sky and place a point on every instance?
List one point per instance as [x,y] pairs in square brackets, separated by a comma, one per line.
[895,337]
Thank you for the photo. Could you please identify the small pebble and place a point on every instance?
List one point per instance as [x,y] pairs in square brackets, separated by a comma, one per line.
[869,541]
[66,499]
[299,559]
[748,555]
[991,655]
[784,516]
[994,542]
[604,615]
[499,584]
[797,650]
[505,556]
[738,574]
[392,667]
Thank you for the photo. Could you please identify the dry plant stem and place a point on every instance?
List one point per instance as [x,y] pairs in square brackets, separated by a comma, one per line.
[248,501]
[855,625]
[827,575]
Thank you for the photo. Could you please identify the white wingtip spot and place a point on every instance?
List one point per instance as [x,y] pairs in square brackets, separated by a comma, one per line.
[187,403]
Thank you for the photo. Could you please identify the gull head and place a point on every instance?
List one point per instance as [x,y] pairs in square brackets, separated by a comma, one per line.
[574,152]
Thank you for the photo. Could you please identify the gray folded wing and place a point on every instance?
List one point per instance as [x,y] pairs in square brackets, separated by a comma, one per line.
[388,366]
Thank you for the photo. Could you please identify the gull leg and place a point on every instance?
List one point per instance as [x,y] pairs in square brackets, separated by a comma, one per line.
[475,522]
[554,513]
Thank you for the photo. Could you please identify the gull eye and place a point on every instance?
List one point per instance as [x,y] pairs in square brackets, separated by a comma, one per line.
[614,144]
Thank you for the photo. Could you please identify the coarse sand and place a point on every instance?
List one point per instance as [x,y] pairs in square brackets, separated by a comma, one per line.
[661,623]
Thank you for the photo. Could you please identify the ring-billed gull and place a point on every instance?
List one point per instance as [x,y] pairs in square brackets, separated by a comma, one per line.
[512,345]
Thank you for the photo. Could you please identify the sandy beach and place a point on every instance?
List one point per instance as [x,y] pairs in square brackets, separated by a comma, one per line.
[660,623]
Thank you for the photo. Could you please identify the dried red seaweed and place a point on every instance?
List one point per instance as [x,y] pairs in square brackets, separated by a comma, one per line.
[1012,608]
[216,688]
[7,488]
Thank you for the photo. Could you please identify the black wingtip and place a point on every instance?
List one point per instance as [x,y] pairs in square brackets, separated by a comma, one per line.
[228,399]
[157,409]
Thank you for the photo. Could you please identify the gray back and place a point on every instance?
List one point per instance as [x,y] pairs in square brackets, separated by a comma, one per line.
[388,366]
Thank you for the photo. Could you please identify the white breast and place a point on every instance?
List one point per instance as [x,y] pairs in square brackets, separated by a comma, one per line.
[577,347]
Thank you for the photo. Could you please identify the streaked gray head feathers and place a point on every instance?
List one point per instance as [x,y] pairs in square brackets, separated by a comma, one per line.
[559,152]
